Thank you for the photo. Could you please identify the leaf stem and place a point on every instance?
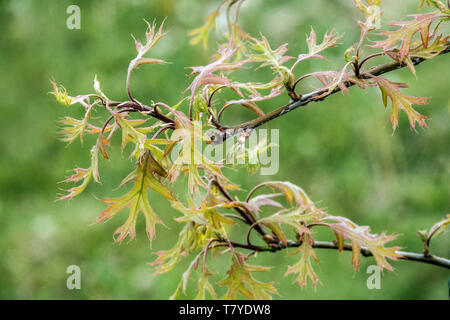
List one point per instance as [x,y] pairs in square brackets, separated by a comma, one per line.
[313,97]
[365,252]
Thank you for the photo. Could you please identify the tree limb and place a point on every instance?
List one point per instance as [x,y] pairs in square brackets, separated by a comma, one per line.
[405,255]
[312,97]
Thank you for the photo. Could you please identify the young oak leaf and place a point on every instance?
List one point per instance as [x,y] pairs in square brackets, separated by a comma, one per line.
[265,200]
[205,74]
[152,37]
[420,24]
[273,58]
[437,4]
[75,128]
[293,193]
[83,175]
[401,101]
[168,259]
[240,280]
[334,79]
[136,200]
[204,286]
[433,50]
[330,40]
[201,34]
[435,231]
[296,219]
[182,286]
[372,12]
[420,51]
[304,267]
[130,133]
[190,159]
[360,236]
[61,95]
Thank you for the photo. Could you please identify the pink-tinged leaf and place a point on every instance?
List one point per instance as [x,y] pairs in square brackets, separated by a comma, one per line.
[250,101]
[152,37]
[304,267]
[205,74]
[435,231]
[434,49]
[131,133]
[268,56]
[420,24]
[292,193]
[372,13]
[83,175]
[295,219]
[75,128]
[330,40]
[142,61]
[201,34]
[360,237]
[265,200]
[190,159]
[240,280]
[102,142]
[136,200]
[332,80]
[401,101]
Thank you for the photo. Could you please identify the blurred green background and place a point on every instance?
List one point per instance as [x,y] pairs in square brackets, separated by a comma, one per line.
[341,151]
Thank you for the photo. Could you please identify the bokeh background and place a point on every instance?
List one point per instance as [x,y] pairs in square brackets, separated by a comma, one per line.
[341,151]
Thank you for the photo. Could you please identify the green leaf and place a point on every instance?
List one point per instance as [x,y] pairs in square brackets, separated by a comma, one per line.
[240,280]
[295,219]
[83,175]
[304,267]
[420,24]
[191,159]
[360,236]
[400,101]
[330,40]
[136,200]
[130,133]
[201,34]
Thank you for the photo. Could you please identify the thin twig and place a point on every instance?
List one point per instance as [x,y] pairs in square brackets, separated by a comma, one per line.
[313,96]
[365,252]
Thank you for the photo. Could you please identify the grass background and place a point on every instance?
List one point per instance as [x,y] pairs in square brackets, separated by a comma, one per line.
[341,151]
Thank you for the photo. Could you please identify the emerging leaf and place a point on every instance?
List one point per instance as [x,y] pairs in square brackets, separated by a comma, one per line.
[401,101]
[435,231]
[136,200]
[273,58]
[372,12]
[201,34]
[205,74]
[83,175]
[190,158]
[304,266]
[438,4]
[330,40]
[130,133]
[240,280]
[61,95]
[360,236]
[420,24]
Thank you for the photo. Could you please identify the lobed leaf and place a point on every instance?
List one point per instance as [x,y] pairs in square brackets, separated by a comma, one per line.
[240,280]
[360,236]
[136,200]
[404,35]
[400,101]
[304,267]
